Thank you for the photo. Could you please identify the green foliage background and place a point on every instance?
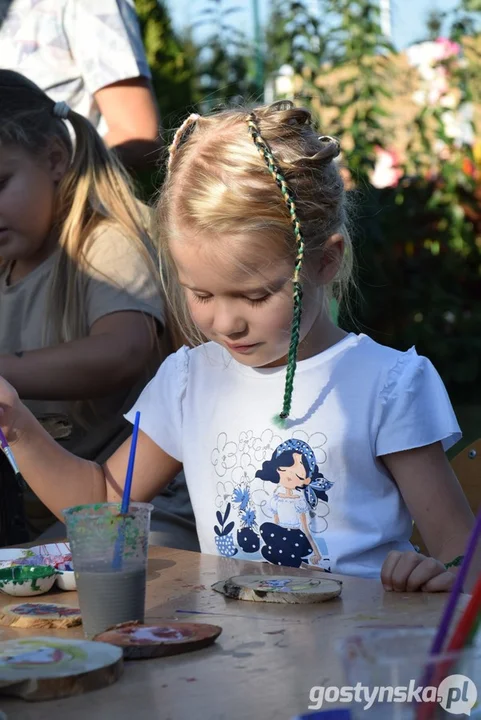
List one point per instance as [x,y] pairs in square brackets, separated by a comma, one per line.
[418,244]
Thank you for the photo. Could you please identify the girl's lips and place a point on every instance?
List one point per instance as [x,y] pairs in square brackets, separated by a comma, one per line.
[241,348]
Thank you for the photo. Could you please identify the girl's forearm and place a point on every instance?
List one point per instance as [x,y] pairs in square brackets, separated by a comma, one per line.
[59,478]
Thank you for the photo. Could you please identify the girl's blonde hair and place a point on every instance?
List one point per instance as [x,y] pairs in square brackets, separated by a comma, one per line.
[95,189]
[265,171]
[219,183]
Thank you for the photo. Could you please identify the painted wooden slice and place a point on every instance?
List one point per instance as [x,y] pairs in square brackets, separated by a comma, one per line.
[40,615]
[169,638]
[279,588]
[46,668]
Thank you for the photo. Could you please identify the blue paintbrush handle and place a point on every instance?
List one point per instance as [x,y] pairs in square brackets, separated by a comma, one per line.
[130,468]
[124,508]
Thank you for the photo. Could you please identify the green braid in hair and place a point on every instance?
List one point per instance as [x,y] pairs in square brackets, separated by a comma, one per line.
[266,154]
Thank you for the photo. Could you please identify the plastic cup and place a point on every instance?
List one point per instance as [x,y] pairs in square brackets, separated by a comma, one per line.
[395,667]
[109,555]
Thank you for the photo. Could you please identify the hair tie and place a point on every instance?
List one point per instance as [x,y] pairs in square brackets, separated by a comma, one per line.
[328,139]
[61,110]
[193,117]
[281,105]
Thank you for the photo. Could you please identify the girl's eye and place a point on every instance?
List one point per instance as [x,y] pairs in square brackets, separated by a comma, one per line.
[252,301]
[201,298]
[259,301]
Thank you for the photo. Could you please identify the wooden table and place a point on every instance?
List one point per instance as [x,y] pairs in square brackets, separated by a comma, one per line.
[262,666]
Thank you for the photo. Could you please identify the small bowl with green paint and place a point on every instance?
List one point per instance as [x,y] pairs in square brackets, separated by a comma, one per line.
[25,580]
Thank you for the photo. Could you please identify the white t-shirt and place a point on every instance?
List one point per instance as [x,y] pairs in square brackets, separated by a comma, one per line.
[352,404]
[73,48]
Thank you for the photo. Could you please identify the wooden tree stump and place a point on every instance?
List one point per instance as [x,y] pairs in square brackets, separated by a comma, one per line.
[279,588]
[46,668]
[40,615]
[150,641]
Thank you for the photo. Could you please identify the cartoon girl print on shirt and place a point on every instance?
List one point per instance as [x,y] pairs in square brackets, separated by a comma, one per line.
[288,540]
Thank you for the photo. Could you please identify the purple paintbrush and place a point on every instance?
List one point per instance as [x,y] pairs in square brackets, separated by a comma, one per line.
[8,453]
[439,642]
[450,607]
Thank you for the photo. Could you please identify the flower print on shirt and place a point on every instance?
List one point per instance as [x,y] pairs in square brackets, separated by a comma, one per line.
[245,472]
[248,533]
[265,444]
[246,440]
[223,457]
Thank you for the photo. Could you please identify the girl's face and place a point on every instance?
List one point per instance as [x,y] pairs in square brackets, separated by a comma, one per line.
[295,475]
[245,303]
[27,195]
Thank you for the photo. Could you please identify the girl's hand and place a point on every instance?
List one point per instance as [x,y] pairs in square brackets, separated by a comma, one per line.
[10,411]
[411,572]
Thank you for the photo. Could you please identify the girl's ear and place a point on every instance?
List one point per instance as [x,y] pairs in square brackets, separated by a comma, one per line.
[57,159]
[331,258]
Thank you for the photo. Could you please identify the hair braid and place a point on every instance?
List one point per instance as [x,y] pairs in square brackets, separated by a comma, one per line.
[193,117]
[266,154]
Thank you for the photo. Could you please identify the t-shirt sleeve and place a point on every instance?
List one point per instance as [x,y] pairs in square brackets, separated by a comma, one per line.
[274,503]
[301,504]
[415,409]
[160,404]
[119,278]
[105,41]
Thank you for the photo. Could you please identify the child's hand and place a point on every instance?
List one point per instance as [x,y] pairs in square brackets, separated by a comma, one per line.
[411,572]
[9,410]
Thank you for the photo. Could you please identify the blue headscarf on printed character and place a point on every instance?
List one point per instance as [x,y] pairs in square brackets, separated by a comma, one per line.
[285,545]
[307,454]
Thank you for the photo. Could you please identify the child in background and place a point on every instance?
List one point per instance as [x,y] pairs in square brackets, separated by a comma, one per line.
[81,310]
[254,243]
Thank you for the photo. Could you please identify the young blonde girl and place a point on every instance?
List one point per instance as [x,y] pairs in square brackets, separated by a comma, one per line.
[81,309]
[302,445]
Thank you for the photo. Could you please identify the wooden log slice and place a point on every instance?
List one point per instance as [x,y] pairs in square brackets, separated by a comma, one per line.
[169,638]
[40,615]
[279,588]
[47,668]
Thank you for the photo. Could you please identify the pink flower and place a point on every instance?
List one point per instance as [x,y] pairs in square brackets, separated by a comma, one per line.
[446,49]
[387,172]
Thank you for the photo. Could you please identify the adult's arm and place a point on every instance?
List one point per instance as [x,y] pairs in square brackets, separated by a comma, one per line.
[132,118]
[109,360]
[106,44]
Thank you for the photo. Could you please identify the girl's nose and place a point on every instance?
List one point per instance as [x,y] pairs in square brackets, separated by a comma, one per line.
[227,321]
